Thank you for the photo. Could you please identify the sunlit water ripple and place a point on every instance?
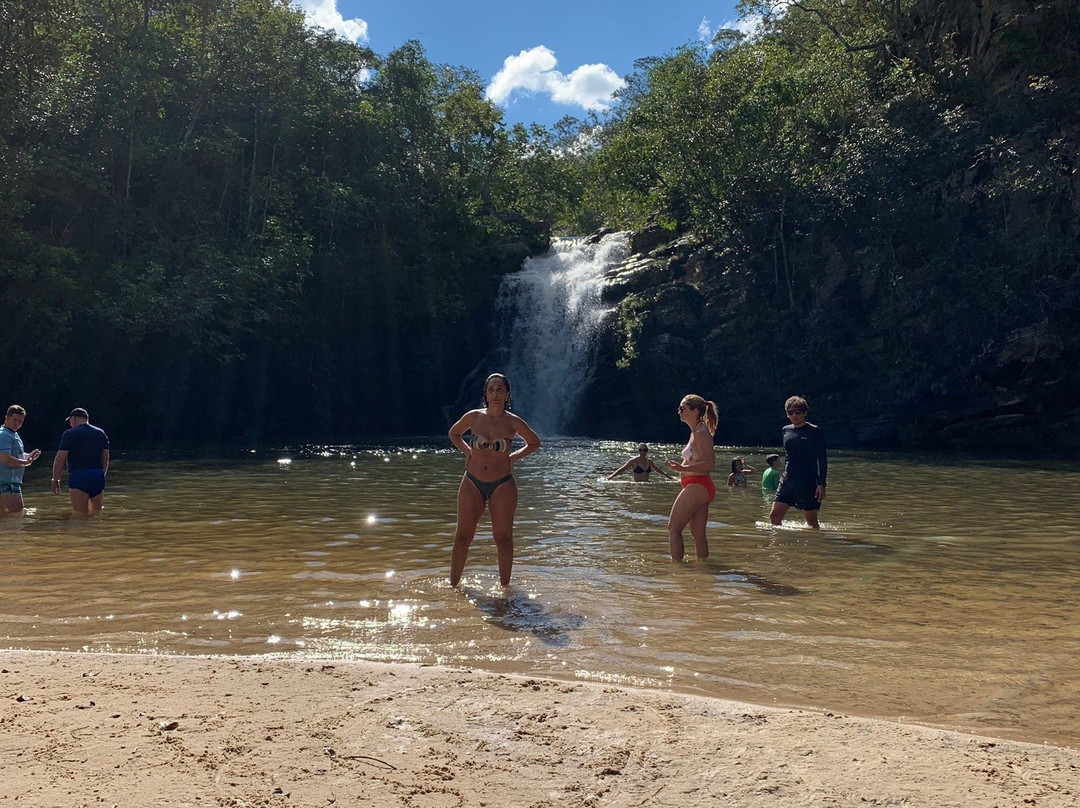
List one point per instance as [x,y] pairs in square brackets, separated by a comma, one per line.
[940,590]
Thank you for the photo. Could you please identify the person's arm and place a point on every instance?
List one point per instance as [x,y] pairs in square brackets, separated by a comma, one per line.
[703,451]
[625,466]
[105,460]
[532,440]
[656,468]
[11,461]
[731,480]
[458,430]
[822,467]
[57,468]
[749,470]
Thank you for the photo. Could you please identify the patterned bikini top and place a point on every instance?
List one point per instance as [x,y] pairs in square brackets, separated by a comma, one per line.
[497,445]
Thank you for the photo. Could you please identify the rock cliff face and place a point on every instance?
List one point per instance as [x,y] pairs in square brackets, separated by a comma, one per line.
[667,334]
[680,323]
[934,302]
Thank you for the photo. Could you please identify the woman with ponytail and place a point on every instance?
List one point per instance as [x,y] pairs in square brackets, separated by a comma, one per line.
[691,506]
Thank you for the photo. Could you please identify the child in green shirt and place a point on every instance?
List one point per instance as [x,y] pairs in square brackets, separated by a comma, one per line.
[770,478]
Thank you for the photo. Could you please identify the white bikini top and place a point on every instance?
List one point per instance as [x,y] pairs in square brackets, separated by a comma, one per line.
[687,452]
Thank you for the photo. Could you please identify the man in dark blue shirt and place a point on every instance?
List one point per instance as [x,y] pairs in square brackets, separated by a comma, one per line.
[803,482]
[85,451]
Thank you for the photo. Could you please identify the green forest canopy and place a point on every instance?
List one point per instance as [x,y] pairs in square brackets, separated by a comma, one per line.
[214,213]
[890,190]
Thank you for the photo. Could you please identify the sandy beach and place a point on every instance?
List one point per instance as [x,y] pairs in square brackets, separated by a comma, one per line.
[91,729]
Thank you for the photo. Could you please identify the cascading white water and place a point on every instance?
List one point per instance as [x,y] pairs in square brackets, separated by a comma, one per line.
[548,313]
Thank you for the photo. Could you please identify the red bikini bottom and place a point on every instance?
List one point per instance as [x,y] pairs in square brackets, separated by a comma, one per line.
[702,480]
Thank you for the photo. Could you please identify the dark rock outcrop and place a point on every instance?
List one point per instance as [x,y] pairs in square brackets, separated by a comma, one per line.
[679,323]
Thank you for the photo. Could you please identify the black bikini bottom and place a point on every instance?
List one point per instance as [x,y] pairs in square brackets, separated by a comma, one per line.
[485,488]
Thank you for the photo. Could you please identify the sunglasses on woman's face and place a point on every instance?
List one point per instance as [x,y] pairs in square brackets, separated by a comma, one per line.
[796,410]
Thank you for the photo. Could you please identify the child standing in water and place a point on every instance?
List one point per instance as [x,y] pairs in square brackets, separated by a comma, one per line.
[770,478]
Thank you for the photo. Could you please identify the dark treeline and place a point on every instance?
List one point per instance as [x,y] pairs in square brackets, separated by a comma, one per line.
[882,209]
[216,223]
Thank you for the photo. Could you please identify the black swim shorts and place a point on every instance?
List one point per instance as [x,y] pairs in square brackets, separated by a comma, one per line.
[798,496]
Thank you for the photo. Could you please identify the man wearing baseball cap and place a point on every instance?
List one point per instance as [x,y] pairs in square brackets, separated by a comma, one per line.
[85,450]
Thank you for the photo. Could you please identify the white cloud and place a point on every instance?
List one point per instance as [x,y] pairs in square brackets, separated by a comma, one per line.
[533,71]
[749,26]
[325,14]
[585,142]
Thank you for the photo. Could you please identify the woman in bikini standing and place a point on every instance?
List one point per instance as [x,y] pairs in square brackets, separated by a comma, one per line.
[489,479]
[691,506]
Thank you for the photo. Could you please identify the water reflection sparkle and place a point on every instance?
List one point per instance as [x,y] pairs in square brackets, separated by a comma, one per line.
[938,612]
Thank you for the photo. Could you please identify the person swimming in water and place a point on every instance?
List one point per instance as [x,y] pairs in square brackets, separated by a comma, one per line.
[641,465]
[488,481]
[739,470]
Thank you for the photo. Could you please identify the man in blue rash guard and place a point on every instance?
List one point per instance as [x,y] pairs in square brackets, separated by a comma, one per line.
[803,482]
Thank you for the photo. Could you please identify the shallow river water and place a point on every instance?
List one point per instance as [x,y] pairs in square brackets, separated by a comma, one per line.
[941,590]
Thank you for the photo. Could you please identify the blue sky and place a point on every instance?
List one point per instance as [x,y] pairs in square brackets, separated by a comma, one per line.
[540,60]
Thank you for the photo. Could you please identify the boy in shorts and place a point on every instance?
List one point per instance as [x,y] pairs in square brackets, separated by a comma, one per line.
[802,484]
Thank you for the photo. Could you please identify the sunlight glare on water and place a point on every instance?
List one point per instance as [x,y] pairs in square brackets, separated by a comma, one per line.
[940,590]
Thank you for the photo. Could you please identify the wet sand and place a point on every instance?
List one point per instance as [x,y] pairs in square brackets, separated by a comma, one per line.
[115,730]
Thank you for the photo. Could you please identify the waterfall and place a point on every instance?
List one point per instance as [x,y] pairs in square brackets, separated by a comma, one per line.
[548,313]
